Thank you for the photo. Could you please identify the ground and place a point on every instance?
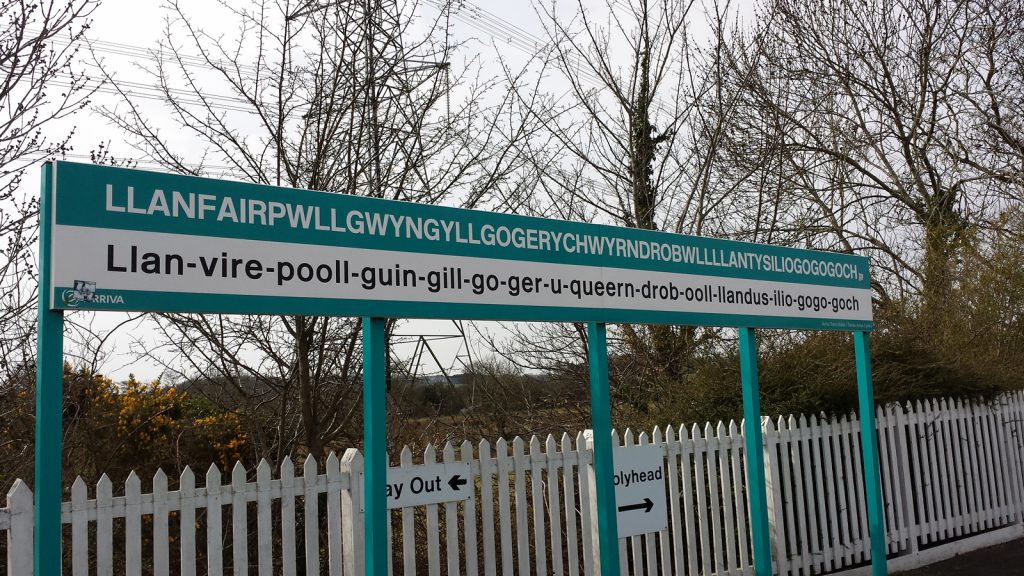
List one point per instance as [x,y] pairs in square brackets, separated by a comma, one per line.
[1002,560]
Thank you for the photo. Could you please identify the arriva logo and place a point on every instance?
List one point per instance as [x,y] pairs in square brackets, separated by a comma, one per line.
[107,299]
[69,298]
[85,291]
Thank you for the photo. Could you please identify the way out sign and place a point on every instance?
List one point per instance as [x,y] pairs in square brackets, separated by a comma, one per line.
[640,490]
[428,484]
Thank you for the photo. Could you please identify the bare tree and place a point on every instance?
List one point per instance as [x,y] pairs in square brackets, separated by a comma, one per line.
[883,129]
[345,97]
[40,84]
[624,97]
[991,91]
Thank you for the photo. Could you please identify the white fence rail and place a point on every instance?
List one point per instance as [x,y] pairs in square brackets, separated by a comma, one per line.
[950,470]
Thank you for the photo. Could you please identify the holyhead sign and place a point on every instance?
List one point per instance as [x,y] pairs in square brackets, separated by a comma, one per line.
[135,240]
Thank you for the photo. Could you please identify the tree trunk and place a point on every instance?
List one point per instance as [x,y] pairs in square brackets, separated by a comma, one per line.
[941,250]
[303,339]
[665,350]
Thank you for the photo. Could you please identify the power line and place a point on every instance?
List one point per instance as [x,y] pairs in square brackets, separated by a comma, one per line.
[501,29]
[156,95]
[228,103]
[479,19]
[137,162]
[122,49]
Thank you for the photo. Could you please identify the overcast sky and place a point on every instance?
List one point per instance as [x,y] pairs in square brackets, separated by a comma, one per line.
[123,30]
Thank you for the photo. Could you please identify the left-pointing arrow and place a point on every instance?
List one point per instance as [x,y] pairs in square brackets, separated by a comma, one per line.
[457,481]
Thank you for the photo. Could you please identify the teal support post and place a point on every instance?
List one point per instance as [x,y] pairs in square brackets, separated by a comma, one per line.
[604,466]
[755,454]
[869,449]
[49,401]
[375,466]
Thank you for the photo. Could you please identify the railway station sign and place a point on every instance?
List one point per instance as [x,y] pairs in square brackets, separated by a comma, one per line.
[143,241]
[131,240]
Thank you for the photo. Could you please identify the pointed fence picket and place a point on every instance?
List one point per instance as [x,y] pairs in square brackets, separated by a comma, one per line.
[949,470]
[187,523]
[433,533]
[569,469]
[79,528]
[469,512]
[16,520]
[537,502]
[264,521]
[352,513]
[487,476]
[287,484]
[104,527]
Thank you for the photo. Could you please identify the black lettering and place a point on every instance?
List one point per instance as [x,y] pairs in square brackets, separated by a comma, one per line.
[151,263]
[285,272]
[110,261]
[254,269]
[209,266]
[171,259]
[368,278]
[574,288]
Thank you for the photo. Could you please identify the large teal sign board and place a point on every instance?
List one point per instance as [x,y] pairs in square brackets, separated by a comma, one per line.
[118,239]
[134,240]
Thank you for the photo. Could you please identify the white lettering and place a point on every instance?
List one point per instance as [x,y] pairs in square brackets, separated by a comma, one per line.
[206,204]
[110,200]
[181,205]
[354,222]
[131,202]
[158,203]
[276,211]
[227,210]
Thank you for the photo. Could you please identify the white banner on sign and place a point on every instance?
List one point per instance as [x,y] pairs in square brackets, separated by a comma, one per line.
[110,259]
[640,490]
[426,484]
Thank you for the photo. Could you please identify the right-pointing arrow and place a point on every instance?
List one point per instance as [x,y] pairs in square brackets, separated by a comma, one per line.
[647,505]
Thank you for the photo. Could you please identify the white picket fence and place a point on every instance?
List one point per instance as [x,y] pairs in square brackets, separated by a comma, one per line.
[951,471]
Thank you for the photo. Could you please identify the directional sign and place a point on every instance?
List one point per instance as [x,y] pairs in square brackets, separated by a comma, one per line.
[640,490]
[428,484]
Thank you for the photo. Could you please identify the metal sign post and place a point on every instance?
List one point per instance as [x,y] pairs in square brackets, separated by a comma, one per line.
[375,464]
[604,465]
[49,401]
[753,445]
[869,449]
